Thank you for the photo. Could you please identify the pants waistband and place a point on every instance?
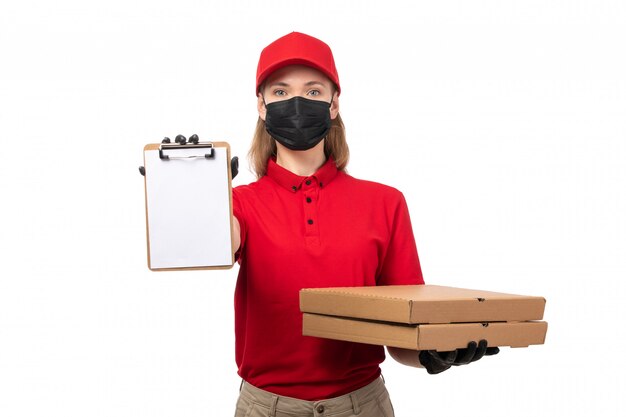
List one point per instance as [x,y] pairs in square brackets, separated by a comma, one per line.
[353,400]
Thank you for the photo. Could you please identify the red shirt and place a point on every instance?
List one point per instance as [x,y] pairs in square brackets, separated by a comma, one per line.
[326,230]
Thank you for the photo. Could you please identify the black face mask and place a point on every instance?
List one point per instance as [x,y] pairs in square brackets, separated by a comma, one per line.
[298,123]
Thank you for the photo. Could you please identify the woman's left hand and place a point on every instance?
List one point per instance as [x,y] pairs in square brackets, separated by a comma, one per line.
[437,362]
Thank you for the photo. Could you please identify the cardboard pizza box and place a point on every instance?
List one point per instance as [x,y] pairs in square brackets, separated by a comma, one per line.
[441,337]
[420,304]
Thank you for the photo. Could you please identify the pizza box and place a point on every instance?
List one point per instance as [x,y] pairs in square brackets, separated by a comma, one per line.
[421,304]
[441,337]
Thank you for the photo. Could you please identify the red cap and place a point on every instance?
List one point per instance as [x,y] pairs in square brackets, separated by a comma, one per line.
[297,48]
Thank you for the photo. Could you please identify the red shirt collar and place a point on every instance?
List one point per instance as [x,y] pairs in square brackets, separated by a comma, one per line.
[287,179]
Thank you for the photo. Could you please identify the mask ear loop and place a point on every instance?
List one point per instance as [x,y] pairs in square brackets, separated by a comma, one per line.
[274,151]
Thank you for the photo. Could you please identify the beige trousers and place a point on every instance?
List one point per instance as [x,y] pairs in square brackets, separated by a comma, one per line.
[370,401]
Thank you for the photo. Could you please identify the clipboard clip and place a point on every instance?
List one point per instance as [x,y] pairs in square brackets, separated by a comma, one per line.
[181,142]
[195,143]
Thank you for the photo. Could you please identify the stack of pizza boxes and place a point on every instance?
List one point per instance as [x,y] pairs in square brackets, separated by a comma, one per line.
[423,317]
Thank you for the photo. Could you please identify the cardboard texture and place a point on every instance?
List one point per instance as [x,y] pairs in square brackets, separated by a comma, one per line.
[423,317]
[414,304]
[441,337]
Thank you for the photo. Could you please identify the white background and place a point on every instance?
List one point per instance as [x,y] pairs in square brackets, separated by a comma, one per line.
[502,122]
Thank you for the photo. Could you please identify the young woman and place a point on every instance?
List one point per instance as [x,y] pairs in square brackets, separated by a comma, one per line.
[306,223]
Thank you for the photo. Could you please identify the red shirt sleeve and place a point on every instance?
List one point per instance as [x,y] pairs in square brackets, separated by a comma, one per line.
[400,264]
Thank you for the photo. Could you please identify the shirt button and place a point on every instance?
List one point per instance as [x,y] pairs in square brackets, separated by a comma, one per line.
[308,182]
[320,409]
[309,221]
[294,188]
[308,199]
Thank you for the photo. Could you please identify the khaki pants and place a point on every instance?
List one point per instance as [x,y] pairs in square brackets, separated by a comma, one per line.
[370,401]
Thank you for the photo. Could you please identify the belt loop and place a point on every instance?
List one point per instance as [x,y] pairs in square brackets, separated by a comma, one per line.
[355,404]
[272,412]
[381,375]
[241,385]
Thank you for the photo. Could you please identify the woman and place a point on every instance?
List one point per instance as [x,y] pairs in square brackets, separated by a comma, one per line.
[306,223]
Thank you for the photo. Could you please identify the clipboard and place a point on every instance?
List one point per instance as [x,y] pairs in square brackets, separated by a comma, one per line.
[188,194]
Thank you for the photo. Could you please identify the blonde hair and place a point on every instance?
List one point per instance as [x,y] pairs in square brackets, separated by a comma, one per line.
[264,146]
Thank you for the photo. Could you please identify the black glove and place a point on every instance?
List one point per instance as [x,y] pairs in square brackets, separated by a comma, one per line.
[437,362]
[234,166]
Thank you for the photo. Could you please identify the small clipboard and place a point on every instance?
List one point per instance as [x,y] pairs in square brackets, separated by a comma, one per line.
[188,191]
